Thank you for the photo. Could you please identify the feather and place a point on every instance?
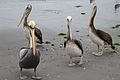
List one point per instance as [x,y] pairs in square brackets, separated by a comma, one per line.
[65,44]
[104,36]
[79,44]
[38,33]
[23,52]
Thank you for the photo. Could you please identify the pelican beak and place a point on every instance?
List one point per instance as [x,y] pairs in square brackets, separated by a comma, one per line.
[69,33]
[33,41]
[94,11]
[24,14]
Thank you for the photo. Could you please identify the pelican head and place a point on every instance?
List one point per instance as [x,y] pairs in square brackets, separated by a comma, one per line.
[94,11]
[94,8]
[27,11]
[91,18]
[32,24]
[69,18]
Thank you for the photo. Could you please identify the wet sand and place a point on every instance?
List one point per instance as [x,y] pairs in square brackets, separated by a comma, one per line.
[50,16]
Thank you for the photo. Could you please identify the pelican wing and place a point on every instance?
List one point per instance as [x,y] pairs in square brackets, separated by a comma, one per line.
[104,36]
[65,44]
[23,52]
[38,52]
[79,44]
[38,33]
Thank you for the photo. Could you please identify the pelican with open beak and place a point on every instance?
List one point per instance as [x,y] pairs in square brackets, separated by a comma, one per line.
[25,21]
[29,56]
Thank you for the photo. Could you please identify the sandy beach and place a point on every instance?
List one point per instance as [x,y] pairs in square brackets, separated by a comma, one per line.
[50,16]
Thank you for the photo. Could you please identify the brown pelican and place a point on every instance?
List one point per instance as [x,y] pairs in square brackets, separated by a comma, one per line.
[24,18]
[99,37]
[73,46]
[29,56]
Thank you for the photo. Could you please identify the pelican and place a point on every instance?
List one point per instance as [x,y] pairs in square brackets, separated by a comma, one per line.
[29,56]
[99,37]
[24,18]
[73,46]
